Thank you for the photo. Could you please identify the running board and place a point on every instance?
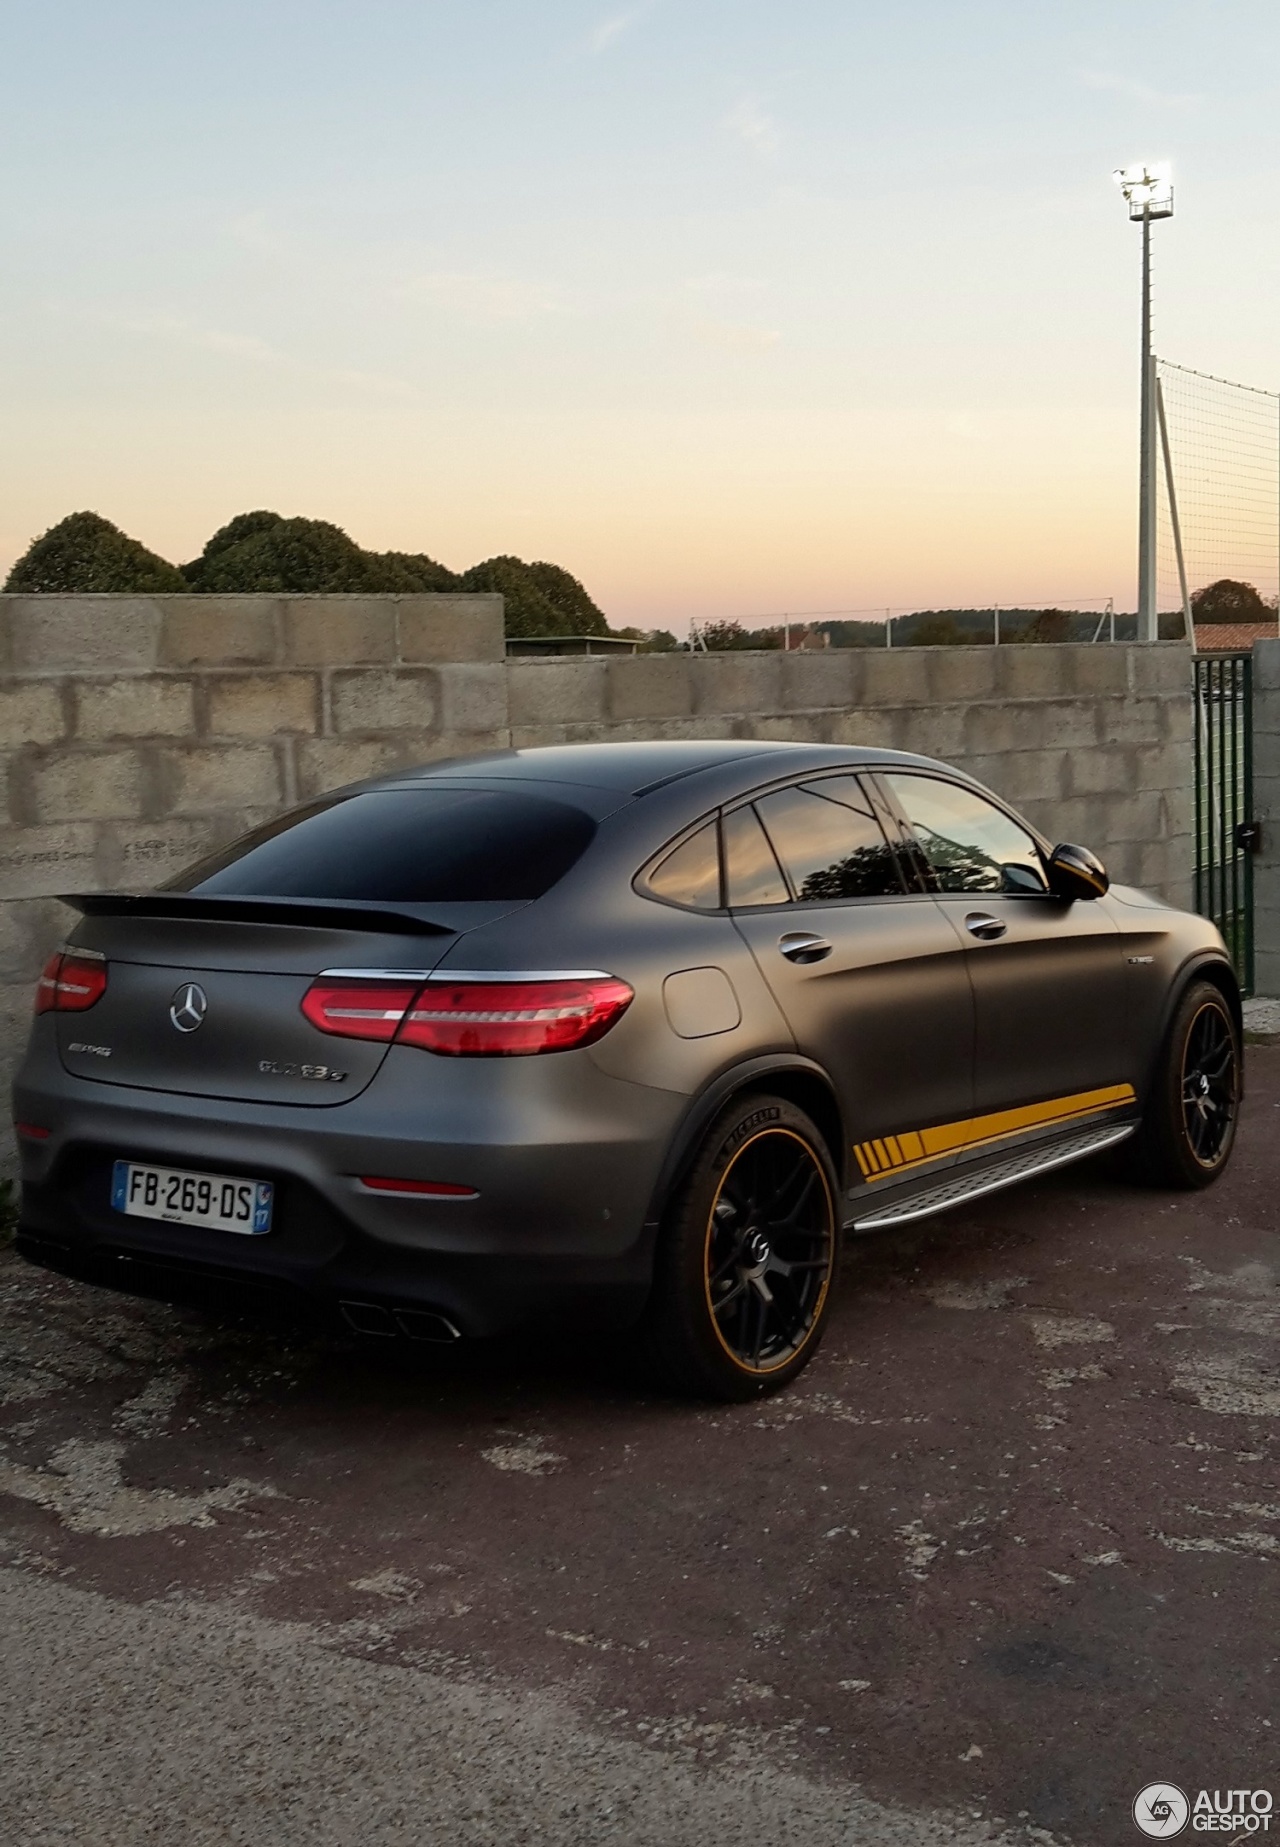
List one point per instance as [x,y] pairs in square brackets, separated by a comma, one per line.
[959,1191]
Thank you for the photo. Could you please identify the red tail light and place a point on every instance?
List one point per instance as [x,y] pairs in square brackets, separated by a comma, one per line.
[71,983]
[358,1009]
[470,1019]
[508,1019]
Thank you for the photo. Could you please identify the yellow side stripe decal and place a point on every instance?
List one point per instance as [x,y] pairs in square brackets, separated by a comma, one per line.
[896,1153]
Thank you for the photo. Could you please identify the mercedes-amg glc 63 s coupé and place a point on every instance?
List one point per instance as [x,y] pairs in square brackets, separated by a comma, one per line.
[606,1034]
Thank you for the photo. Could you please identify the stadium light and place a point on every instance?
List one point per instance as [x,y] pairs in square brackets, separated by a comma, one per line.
[1148,192]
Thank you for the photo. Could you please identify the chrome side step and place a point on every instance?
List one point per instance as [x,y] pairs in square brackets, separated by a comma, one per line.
[959,1190]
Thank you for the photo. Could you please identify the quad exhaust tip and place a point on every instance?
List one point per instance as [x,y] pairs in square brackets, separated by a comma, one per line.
[386,1324]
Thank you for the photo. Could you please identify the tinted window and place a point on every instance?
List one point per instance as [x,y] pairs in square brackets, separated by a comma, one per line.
[691,874]
[750,869]
[403,846]
[832,845]
[969,843]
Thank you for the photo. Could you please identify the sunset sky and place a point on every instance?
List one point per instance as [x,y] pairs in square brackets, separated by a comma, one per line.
[729,306]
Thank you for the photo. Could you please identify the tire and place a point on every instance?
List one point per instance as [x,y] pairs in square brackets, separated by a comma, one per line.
[746,1260]
[1193,1107]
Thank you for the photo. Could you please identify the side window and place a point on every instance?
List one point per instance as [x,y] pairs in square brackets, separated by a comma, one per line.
[829,841]
[690,874]
[750,869]
[970,844]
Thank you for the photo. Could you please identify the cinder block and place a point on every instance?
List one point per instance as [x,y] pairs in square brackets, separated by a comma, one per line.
[818,679]
[394,699]
[1030,776]
[894,676]
[261,705]
[1034,670]
[1103,772]
[562,691]
[473,698]
[31,712]
[338,631]
[1160,667]
[29,930]
[1136,720]
[84,785]
[84,633]
[1100,669]
[35,861]
[880,728]
[451,628]
[736,683]
[133,707]
[934,731]
[1009,724]
[207,778]
[960,674]
[219,631]
[1266,666]
[649,686]
[139,858]
[332,763]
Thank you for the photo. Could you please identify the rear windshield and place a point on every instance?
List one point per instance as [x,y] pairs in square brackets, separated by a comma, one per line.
[403,846]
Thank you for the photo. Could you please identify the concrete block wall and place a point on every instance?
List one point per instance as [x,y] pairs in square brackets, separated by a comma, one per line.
[1266,808]
[137,733]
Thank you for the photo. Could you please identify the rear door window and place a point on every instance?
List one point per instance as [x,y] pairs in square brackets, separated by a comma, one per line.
[968,843]
[404,846]
[830,842]
[752,873]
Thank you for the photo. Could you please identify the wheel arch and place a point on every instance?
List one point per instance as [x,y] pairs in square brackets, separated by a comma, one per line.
[799,1080]
[1206,966]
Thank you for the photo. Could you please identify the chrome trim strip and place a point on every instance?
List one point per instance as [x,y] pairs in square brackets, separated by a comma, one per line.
[464,974]
[1010,1173]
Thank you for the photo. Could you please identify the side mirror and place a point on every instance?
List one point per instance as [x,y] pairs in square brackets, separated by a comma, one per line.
[1075,872]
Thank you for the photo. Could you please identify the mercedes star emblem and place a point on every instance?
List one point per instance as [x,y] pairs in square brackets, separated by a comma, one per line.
[188,1007]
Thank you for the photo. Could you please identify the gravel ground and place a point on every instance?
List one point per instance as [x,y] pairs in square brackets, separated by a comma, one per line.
[1005,1554]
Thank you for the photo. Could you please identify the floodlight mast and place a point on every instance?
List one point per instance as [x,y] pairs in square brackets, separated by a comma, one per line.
[1148,191]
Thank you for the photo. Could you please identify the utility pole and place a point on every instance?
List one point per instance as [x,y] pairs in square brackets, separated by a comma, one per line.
[1148,191]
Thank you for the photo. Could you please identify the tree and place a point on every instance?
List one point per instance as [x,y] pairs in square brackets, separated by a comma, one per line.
[567,595]
[937,632]
[85,554]
[1229,600]
[528,610]
[1048,625]
[264,552]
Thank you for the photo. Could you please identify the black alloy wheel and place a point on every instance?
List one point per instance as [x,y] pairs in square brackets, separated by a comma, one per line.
[1209,1084]
[746,1265]
[1189,1125]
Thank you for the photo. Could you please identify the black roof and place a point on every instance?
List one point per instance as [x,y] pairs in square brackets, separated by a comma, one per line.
[630,767]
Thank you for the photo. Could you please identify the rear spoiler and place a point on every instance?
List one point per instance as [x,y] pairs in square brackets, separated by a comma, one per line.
[307,913]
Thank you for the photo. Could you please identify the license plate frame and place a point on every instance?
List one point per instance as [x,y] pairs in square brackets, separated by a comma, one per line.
[174,1196]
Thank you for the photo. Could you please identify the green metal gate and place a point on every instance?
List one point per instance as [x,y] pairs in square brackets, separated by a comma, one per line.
[1226,833]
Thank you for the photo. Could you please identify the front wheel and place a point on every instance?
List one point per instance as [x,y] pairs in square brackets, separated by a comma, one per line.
[746,1260]
[1189,1127]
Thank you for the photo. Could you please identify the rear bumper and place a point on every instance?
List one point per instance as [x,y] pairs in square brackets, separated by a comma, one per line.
[564,1166]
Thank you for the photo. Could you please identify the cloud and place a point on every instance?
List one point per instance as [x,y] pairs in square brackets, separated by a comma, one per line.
[1137,92]
[480,297]
[752,123]
[180,332]
[735,336]
[602,35]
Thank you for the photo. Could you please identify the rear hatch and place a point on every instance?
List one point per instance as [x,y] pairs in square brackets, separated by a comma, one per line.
[211,1006]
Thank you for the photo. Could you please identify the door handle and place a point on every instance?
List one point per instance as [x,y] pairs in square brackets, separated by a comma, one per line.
[987,929]
[803,946]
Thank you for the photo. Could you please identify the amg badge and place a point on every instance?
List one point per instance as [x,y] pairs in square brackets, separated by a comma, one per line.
[318,1074]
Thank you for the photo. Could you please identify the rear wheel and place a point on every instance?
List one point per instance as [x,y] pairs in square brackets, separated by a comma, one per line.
[746,1260]
[1189,1128]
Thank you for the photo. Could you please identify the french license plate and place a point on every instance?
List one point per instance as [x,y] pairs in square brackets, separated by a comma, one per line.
[222,1202]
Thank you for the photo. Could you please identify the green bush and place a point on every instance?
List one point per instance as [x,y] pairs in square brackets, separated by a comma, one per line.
[85,554]
[265,553]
